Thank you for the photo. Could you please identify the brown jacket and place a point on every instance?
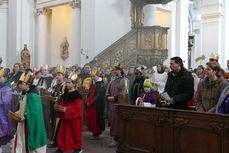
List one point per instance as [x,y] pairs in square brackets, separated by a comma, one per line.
[208,93]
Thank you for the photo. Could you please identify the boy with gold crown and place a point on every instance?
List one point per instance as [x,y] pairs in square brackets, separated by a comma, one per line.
[45,81]
[70,112]
[59,90]
[31,134]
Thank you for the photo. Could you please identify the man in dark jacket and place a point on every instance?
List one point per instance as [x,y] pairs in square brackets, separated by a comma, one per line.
[180,85]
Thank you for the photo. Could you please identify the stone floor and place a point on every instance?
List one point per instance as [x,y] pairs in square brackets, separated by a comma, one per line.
[88,146]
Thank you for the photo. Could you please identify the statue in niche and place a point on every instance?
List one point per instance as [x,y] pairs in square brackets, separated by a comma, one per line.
[25,57]
[64,49]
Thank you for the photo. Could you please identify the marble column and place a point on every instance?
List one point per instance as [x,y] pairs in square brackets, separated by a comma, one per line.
[182,8]
[41,37]
[76,32]
[213,29]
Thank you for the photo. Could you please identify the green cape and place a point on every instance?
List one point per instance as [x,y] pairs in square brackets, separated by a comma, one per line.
[36,128]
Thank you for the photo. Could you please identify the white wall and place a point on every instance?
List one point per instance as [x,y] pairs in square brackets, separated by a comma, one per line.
[167,17]
[61,27]
[102,23]
[20,30]
[87,30]
[3,32]
[112,21]
[164,19]
[212,29]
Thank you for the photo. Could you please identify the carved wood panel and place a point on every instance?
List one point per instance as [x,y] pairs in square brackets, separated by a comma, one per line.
[136,47]
[171,131]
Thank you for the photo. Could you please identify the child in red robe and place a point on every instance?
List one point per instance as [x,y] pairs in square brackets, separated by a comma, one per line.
[95,106]
[70,112]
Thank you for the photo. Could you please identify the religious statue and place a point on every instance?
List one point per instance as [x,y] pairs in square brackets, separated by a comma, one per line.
[25,57]
[64,49]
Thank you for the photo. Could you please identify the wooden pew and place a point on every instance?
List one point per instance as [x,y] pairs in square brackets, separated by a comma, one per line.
[162,130]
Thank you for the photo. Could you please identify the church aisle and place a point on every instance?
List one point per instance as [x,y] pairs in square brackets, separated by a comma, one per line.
[89,146]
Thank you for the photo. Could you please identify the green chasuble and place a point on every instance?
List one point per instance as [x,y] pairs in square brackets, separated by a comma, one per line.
[36,128]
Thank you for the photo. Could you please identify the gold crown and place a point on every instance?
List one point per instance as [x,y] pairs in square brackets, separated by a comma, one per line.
[45,67]
[2,72]
[27,77]
[73,77]
[35,68]
[61,69]
[214,56]
[95,72]
[118,65]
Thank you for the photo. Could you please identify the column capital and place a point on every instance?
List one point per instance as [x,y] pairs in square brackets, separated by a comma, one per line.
[42,11]
[75,4]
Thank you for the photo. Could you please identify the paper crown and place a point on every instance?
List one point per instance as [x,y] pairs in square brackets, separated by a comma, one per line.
[140,68]
[73,77]
[95,72]
[214,56]
[45,67]
[119,66]
[2,72]
[60,69]
[35,69]
[27,77]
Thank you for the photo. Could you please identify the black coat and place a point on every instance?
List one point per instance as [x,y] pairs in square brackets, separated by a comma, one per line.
[180,87]
[99,99]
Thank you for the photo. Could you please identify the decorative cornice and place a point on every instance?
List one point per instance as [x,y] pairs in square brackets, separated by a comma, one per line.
[43,11]
[75,4]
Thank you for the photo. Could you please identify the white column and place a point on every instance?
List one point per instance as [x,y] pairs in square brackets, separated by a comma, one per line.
[76,32]
[88,31]
[20,30]
[226,49]
[3,31]
[213,29]
[13,32]
[41,58]
[149,15]
[182,9]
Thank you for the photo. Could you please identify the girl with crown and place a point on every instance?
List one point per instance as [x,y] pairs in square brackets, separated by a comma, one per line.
[70,112]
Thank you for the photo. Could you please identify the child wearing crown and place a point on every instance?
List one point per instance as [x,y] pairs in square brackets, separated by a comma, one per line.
[59,90]
[31,134]
[70,112]
[95,106]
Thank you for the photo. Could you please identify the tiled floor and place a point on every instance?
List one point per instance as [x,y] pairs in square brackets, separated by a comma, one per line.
[89,146]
